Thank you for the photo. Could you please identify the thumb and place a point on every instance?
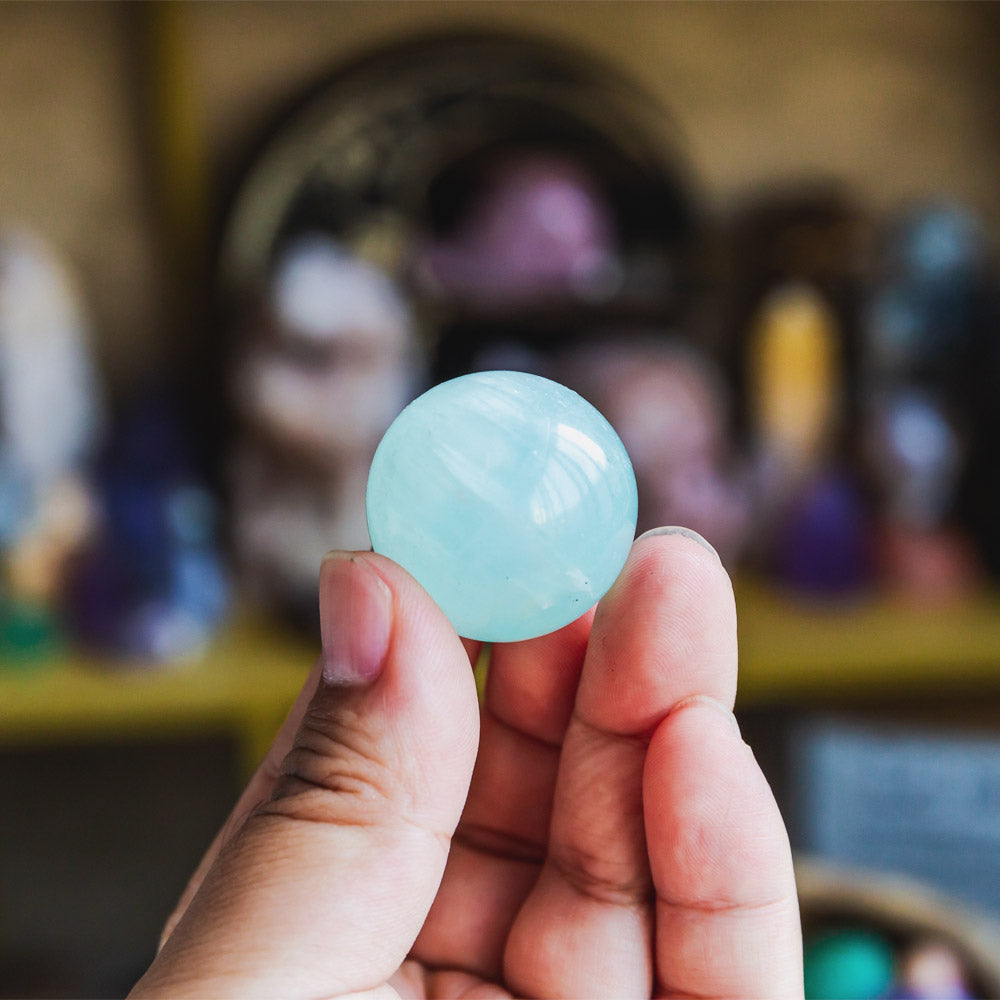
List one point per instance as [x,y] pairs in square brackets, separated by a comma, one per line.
[325,887]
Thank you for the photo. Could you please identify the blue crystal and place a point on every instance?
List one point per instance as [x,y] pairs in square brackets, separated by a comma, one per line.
[509,498]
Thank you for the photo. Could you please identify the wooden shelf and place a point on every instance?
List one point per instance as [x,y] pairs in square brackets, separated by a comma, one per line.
[791,652]
[794,650]
[244,683]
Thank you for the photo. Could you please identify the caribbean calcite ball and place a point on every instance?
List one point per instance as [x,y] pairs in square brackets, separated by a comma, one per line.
[509,498]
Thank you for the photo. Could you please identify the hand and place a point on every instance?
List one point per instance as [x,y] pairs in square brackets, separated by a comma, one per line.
[614,837]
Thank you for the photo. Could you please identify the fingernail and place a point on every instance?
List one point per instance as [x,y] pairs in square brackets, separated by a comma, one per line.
[679,530]
[709,702]
[355,614]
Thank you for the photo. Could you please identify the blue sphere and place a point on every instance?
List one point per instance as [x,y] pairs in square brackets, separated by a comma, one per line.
[509,498]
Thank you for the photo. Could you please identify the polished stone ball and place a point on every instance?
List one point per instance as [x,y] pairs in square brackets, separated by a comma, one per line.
[509,498]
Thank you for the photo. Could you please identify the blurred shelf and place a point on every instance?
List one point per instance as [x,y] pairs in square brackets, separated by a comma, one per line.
[245,682]
[791,652]
[810,652]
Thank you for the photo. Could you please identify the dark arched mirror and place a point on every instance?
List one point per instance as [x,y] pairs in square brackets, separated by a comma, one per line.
[449,204]
[390,144]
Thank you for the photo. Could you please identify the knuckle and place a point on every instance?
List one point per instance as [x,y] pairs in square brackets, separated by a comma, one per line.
[336,772]
[607,880]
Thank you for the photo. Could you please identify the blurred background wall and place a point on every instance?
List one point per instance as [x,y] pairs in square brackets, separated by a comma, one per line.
[899,101]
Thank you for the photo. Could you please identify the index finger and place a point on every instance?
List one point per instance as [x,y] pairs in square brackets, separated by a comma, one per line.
[666,631]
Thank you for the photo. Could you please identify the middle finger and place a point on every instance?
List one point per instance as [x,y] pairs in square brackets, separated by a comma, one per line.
[501,839]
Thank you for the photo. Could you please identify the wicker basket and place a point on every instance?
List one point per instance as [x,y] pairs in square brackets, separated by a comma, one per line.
[903,910]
